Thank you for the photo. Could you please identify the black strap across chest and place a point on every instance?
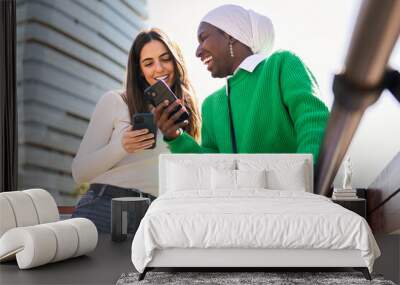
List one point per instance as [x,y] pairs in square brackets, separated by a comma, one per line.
[233,137]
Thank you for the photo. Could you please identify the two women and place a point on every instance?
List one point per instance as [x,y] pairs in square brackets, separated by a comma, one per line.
[112,157]
[270,102]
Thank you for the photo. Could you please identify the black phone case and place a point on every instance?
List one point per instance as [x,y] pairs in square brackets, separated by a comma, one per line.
[158,93]
[145,121]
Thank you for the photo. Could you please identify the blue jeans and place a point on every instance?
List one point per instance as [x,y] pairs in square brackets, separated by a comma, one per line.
[95,204]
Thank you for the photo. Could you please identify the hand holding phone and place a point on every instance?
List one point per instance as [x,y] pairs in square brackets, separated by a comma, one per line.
[159,93]
[142,133]
[166,123]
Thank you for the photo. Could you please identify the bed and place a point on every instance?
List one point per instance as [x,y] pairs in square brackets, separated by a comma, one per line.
[246,211]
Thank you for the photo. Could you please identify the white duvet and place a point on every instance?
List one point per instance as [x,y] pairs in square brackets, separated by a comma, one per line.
[251,218]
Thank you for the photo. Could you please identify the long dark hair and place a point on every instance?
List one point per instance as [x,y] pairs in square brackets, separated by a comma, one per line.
[135,83]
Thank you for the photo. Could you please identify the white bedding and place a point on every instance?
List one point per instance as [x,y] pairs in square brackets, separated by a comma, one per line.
[250,218]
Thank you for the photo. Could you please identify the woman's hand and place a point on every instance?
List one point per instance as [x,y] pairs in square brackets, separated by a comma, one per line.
[133,141]
[165,122]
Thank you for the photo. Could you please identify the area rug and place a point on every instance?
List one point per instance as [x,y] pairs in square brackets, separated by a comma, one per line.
[244,278]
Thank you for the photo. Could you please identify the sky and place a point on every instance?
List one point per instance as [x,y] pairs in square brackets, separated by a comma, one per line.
[319,32]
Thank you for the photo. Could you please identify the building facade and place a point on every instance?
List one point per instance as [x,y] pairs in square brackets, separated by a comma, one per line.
[69,53]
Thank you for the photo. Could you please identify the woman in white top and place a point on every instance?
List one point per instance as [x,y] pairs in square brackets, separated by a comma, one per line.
[115,159]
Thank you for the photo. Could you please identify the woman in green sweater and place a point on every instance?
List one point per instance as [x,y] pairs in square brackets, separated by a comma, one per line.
[273,98]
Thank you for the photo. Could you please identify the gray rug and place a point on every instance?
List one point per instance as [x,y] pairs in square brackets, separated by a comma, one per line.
[243,278]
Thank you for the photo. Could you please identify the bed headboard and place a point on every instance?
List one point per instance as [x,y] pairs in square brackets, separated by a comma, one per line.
[207,158]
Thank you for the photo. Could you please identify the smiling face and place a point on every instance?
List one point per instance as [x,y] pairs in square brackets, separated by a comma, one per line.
[156,63]
[213,50]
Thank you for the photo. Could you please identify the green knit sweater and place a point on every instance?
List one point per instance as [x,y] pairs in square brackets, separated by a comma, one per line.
[275,110]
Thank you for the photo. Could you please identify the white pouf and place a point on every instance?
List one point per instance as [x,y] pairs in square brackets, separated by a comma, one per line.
[23,208]
[46,207]
[30,230]
[32,246]
[26,208]
[87,234]
[40,244]
[67,240]
[7,218]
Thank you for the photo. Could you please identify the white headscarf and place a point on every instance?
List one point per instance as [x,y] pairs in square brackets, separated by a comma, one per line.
[250,28]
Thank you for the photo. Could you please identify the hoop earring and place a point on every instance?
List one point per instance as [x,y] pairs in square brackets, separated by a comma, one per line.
[231,50]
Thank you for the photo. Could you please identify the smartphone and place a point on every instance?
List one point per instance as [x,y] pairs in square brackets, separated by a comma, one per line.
[145,121]
[158,93]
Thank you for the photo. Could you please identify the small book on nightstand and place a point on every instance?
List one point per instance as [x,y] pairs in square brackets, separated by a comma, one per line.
[344,194]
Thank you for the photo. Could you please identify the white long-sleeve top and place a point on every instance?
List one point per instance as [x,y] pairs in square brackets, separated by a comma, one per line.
[101,157]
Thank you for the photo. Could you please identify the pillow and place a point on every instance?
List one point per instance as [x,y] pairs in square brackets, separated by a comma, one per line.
[282,174]
[289,179]
[188,175]
[236,179]
[182,177]
[223,179]
[251,178]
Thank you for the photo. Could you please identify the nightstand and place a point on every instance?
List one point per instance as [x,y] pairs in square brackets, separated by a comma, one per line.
[357,205]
